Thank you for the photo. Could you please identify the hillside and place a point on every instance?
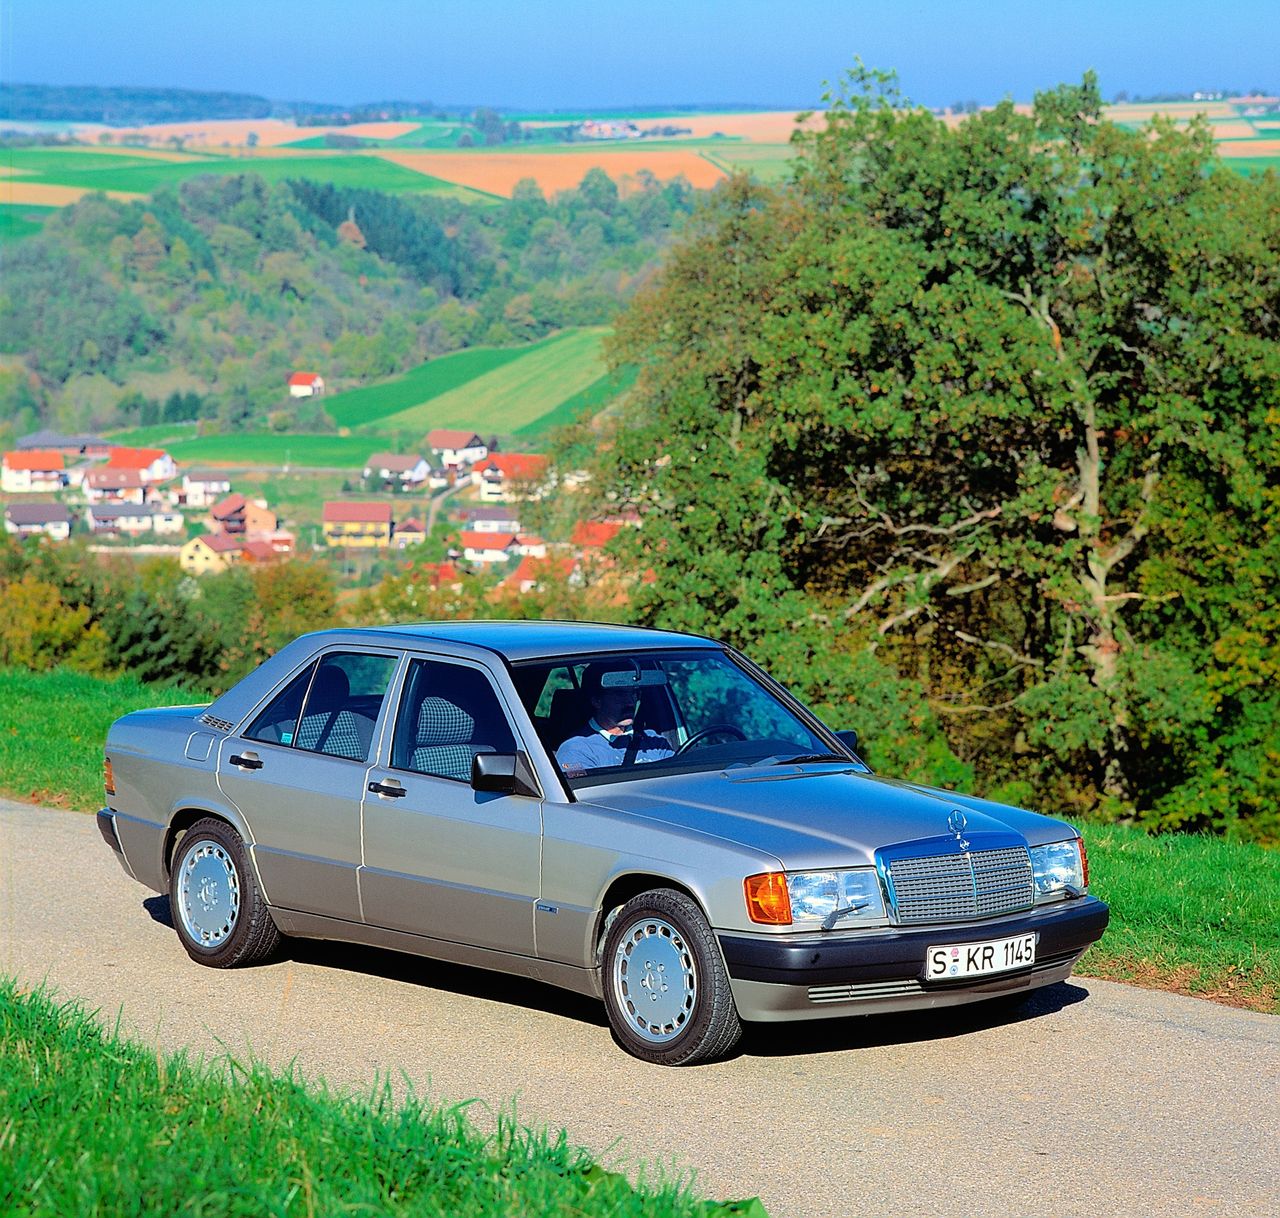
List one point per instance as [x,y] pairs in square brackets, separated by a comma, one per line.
[218,289]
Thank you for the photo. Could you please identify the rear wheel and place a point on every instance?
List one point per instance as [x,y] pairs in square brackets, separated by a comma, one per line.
[218,911]
[666,989]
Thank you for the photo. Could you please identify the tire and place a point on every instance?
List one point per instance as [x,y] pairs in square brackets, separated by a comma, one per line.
[218,911]
[666,988]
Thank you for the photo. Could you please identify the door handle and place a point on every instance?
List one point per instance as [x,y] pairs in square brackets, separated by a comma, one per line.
[380,788]
[246,762]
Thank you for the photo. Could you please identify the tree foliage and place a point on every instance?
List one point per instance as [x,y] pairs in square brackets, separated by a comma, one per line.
[997,403]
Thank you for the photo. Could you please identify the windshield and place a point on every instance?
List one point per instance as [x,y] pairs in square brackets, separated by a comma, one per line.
[608,718]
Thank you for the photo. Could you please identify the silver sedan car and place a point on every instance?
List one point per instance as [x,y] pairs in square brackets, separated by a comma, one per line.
[638,815]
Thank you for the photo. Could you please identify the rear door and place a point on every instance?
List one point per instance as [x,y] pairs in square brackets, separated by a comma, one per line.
[298,774]
[441,859]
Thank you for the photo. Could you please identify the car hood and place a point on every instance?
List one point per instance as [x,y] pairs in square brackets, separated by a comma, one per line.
[814,816]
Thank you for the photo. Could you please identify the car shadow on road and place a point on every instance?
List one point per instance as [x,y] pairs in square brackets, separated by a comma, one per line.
[905,1027]
[433,974]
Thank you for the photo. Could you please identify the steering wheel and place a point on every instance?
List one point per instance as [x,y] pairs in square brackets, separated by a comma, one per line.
[714,730]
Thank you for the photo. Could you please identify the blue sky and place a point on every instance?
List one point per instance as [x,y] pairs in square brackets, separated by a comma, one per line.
[570,53]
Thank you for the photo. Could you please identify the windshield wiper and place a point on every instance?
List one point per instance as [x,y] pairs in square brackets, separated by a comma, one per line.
[829,922]
[802,758]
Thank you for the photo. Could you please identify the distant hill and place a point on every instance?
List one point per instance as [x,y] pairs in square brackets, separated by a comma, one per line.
[123,106]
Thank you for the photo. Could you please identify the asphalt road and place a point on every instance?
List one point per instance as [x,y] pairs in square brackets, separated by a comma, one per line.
[1095,1099]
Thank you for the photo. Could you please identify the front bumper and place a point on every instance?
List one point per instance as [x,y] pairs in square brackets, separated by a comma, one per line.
[778,977]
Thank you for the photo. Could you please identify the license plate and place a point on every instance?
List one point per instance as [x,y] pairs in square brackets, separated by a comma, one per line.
[979,959]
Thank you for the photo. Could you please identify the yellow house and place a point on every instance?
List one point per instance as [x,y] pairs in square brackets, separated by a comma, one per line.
[209,552]
[357,524]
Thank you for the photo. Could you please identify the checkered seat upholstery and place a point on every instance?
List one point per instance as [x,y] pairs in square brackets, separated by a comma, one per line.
[443,740]
[327,727]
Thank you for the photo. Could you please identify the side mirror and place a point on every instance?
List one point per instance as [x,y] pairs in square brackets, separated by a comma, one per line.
[848,738]
[504,774]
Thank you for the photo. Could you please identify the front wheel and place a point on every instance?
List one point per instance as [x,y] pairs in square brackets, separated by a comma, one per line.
[218,912]
[666,989]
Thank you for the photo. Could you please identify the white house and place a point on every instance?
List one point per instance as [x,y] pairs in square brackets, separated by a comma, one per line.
[489,519]
[508,476]
[28,519]
[134,519]
[202,488]
[487,547]
[37,469]
[114,486]
[409,471]
[306,385]
[150,464]
[457,448]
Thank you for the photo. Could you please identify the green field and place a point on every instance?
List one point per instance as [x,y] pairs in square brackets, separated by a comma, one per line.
[593,399]
[273,448]
[767,162]
[92,1123]
[99,171]
[515,395]
[358,407]
[21,220]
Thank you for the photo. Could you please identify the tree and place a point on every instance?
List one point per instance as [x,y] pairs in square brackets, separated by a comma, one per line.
[994,402]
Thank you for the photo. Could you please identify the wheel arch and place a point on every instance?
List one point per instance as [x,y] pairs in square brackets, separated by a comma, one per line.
[631,884]
[186,815]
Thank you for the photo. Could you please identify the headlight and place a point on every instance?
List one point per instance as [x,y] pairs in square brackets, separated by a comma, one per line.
[814,898]
[1059,869]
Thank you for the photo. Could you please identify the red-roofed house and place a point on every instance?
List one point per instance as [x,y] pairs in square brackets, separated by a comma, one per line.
[306,385]
[357,524]
[487,547]
[37,469]
[408,533]
[533,573]
[209,552]
[150,464]
[457,448]
[593,534]
[505,476]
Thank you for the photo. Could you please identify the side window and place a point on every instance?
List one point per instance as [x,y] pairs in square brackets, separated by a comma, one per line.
[279,721]
[343,704]
[448,714]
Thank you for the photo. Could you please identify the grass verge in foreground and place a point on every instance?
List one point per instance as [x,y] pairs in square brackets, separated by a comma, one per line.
[93,1124]
[53,726]
[1190,913]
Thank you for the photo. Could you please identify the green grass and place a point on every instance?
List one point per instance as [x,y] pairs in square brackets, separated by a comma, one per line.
[590,401]
[273,448]
[157,435]
[766,162]
[1252,164]
[427,381]
[92,1123]
[1188,912]
[19,220]
[98,171]
[53,729]
[516,394]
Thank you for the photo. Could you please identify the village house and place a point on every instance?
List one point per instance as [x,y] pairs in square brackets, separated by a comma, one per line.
[533,574]
[457,449]
[504,477]
[437,575]
[238,516]
[306,385]
[409,472]
[51,520]
[69,446]
[357,524]
[209,552]
[134,519]
[487,547]
[260,552]
[489,519]
[438,478]
[409,533]
[201,488]
[151,464]
[108,485]
[594,534]
[38,469]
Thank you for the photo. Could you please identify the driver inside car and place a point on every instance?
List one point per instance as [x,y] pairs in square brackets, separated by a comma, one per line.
[609,737]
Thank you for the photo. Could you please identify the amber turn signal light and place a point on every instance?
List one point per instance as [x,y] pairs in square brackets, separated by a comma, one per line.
[767,898]
[108,778]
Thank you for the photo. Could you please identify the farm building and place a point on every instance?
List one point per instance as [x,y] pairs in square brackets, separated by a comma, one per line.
[306,385]
[68,446]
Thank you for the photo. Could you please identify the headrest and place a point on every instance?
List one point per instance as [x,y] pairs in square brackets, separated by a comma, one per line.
[441,722]
[329,690]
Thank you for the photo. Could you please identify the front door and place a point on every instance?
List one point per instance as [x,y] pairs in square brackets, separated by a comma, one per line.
[298,775]
[441,859]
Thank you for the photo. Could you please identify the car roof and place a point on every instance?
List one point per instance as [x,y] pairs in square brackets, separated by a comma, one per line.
[529,640]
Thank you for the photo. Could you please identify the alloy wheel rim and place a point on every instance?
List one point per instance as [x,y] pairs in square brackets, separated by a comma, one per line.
[655,980]
[208,894]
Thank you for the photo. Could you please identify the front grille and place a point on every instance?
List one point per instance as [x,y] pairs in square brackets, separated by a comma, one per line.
[223,725]
[952,887]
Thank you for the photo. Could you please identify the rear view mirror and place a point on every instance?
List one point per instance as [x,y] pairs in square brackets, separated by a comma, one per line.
[503,774]
[643,678]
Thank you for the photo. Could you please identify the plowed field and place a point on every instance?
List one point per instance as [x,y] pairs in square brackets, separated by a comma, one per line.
[40,194]
[497,173]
